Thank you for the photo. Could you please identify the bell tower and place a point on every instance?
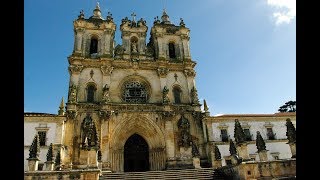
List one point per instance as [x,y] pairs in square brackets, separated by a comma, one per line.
[171,42]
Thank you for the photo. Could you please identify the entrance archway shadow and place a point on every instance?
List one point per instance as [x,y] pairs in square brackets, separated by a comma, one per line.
[136,154]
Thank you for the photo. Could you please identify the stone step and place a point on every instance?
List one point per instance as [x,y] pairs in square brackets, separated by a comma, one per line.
[185,174]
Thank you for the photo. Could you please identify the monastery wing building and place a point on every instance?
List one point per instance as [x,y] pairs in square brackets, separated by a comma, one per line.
[134,107]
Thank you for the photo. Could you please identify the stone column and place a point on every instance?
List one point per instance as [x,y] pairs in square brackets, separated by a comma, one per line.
[33,164]
[49,165]
[293,149]
[196,162]
[243,151]
[217,163]
[263,155]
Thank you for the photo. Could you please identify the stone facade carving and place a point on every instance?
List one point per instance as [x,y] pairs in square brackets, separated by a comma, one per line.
[75,69]
[104,115]
[162,71]
[71,114]
[89,136]
[184,132]
[165,92]
[105,94]
[106,70]
[190,72]
[72,94]
[194,96]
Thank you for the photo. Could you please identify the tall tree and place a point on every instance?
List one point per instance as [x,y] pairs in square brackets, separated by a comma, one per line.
[289,106]
[239,135]
[232,148]
[291,131]
[261,145]
[34,150]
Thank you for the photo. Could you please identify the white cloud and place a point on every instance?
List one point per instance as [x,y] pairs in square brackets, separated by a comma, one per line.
[285,10]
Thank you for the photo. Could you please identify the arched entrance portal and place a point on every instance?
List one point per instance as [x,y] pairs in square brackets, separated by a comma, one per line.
[136,154]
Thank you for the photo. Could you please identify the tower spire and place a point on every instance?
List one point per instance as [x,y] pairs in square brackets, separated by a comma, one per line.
[205,106]
[61,108]
[97,12]
[165,18]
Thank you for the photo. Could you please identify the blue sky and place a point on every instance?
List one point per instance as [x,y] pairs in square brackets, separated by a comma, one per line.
[245,50]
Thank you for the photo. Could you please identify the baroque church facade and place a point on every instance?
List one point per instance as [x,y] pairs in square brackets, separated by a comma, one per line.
[134,106]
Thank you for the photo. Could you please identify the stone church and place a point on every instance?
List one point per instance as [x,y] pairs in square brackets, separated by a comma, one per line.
[134,107]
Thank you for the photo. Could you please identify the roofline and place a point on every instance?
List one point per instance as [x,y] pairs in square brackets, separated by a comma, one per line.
[257,115]
[39,114]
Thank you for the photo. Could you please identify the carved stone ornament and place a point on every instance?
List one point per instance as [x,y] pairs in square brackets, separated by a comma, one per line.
[105,94]
[89,136]
[194,96]
[165,92]
[106,70]
[71,114]
[75,69]
[184,132]
[162,71]
[104,115]
[190,72]
[72,94]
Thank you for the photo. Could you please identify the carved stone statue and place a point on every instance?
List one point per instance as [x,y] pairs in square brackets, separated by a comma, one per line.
[89,137]
[134,47]
[194,96]
[185,136]
[105,94]
[165,95]
[73,94]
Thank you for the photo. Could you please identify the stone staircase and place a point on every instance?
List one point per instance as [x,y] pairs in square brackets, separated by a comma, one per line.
[203,173]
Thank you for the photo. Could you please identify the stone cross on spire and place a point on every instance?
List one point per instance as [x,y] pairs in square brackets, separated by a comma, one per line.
[133,16]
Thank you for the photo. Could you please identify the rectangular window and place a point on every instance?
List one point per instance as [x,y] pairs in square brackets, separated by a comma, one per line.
[270,134]
[42,137]
[247,134]
[40,166]
[224,135]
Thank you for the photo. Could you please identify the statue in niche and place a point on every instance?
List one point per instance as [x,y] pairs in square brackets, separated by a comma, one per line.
[185,136]
[134,47]
[73,94]
[165,95]
[105,93]
[89,136]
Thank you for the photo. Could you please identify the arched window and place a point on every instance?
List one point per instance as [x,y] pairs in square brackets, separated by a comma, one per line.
[90,93]
[93,46]
[172,52]
[177,95]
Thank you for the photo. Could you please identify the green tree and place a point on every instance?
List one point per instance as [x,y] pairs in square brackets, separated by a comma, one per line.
[289,106]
